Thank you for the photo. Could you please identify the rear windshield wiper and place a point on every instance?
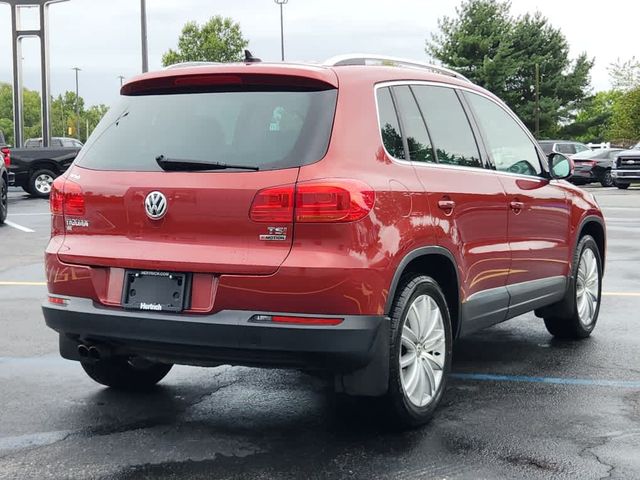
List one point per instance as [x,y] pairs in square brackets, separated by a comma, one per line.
[182,165]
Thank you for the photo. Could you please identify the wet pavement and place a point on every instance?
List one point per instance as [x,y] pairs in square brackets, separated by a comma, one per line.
[520,405]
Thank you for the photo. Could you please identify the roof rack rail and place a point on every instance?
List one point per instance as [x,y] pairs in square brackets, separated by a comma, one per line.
[190,64]
[368,59]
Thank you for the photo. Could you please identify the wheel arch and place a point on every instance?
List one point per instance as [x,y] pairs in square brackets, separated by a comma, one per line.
[594,226]
[440,264]
[44,163]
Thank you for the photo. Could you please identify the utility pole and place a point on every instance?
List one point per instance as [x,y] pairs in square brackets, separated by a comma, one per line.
[281,3]
[121,77]
[143,32]
[77,104]
[537,116]
[64,127]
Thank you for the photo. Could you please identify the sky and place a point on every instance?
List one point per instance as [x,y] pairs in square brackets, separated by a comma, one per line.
[102,37]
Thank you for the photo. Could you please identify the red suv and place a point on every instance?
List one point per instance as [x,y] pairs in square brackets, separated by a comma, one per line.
[355,217]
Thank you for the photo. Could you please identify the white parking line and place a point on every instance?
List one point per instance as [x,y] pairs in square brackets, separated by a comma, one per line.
[28,214]
[18,227]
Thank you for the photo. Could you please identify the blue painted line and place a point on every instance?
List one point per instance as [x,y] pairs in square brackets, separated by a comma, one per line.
[487,377]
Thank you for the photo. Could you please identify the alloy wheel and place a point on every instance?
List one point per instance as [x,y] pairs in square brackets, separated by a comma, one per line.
[587,287]
[422,352]
[43,183]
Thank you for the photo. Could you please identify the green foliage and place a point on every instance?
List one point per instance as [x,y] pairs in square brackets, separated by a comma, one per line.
[593,121]
[500,52]
[63,116]
[218,40]
[625,75]
[625,124]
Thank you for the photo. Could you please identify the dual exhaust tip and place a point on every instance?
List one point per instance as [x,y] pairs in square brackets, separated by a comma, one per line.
[92,352]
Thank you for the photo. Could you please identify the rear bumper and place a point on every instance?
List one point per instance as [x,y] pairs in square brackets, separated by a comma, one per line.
[227,337]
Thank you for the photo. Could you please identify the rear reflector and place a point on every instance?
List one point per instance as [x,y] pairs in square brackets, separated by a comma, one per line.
[296,320]
[324,201]
[58,300]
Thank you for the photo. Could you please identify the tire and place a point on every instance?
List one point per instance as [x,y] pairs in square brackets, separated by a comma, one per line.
[622,186]
[577,314]
[4,201]
[412,403]
[118,373]
[606,180]
[40,182]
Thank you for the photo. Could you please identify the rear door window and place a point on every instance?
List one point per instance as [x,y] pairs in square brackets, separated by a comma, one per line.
[268,129]
[448,125]
[566,148]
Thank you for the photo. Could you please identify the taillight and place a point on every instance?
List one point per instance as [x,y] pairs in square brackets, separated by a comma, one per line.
[6,154]
[296,320]
[273,205]
[333,201]
[66,198]
[315,202]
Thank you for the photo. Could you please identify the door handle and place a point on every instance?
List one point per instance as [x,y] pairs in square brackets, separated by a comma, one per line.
[516,206]
[446,204]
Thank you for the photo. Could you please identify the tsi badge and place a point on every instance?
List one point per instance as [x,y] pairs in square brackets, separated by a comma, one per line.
[275,234]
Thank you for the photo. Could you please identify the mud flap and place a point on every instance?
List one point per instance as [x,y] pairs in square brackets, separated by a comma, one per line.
[373,379]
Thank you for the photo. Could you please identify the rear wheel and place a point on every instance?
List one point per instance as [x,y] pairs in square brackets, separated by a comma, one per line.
[123,374]
[40,183]
[606,180]
[420,351]
[576,316]
[622,186]
[4,201]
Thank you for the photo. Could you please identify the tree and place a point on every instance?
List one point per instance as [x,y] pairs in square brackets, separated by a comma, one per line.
[593,122]
[218,40]
[625,75]
[500,52]
[63,115]
[625,124]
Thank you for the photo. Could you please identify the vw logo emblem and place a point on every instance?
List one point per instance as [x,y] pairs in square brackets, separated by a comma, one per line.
[155,205]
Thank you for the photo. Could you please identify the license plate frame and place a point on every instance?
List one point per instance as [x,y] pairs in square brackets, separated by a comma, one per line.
[155,291]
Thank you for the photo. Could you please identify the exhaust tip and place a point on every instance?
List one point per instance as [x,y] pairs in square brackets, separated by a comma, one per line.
[94,353]
[83,351]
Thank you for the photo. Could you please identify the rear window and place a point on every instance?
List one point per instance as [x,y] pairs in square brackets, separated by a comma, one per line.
[268,129]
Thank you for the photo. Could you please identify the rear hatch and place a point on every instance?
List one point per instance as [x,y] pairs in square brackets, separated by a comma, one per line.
[222,137]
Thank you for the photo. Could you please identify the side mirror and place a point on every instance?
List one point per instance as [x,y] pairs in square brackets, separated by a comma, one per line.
[560,166]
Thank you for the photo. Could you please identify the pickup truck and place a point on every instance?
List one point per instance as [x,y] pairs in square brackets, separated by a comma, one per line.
[626,168]
[35,168]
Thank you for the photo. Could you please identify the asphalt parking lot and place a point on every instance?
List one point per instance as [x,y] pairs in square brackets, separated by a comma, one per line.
[520,405]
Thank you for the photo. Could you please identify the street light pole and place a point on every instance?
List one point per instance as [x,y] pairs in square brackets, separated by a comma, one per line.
[77,69]
[121,77]
[281,3]
[143,32]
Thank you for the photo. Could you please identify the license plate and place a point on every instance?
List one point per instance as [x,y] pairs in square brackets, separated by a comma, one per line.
[155,291]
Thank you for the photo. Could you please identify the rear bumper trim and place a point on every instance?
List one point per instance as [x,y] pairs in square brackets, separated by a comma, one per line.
[224,337]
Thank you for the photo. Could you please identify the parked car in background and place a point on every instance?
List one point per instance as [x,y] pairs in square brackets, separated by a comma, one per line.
[336,217]
[566,147]
[594,166]
[35,168]
[626,168]
[55,142]
[4,185]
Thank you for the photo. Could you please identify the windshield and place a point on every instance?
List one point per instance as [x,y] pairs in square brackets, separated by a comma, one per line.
[268,129]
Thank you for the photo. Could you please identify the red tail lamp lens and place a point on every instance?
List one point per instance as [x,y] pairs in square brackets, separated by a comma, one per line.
[336,201]
[57,300]
[273,205]
[66,198]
